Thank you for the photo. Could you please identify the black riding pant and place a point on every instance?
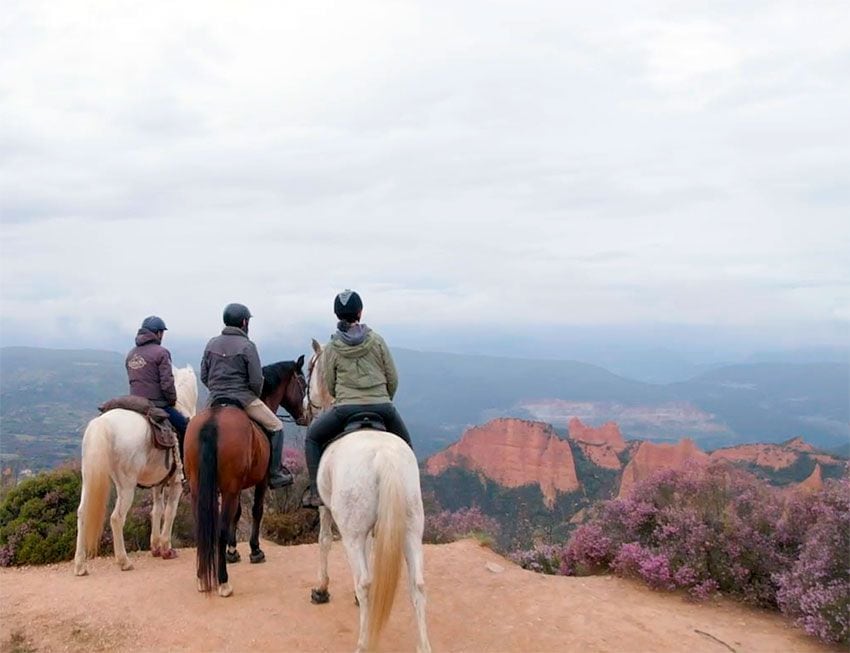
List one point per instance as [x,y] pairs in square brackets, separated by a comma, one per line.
[331,423]
[179,422]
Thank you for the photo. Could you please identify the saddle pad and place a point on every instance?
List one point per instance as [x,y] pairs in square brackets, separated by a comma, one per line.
[162,433]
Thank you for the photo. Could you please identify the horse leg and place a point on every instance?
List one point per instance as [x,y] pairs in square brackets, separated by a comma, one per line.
[156,521]
[229,507]
[416,580]
[232,554]
[126,491]
[320,594]
[257,554]
[171,498]
[355,549]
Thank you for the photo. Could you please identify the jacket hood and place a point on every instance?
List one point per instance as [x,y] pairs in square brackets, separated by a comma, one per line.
[355,342]
[145,337]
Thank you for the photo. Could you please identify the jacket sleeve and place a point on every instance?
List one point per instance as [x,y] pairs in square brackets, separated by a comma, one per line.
[255,370]
[329,369]
[166,378]
[205,368]
[389,369]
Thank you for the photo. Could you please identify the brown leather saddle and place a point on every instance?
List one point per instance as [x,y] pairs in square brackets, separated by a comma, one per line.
[162,433]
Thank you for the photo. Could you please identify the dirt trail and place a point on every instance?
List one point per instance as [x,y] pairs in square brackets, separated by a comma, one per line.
[156,607]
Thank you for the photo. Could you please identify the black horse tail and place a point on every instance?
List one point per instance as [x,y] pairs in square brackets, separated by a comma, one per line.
[206,508]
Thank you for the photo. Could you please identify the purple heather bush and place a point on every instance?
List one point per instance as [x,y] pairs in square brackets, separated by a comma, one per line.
[816,590]
[446,526]
[715,528]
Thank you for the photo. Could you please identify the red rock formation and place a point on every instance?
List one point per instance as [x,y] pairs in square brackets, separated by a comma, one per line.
[513,453]
[798,444]
[600,445]
[650,457]
[775,456]
[813,483]
[608,433]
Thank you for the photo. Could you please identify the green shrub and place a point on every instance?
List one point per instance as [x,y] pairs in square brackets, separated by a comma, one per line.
[38,521]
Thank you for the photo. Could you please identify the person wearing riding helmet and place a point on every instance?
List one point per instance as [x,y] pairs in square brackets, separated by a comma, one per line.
[230,369]
[360,374]
[148,366]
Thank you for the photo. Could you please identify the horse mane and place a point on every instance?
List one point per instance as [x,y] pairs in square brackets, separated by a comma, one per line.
[274,374]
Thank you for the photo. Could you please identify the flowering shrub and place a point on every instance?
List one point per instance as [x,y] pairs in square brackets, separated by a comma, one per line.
[544,558]
[710,528]
[446,526]
[701,528]
[816,590]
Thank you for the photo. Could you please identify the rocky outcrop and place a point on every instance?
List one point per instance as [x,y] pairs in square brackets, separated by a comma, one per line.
[513,453]
[600,445]
[774,456]
[813,483]
[650,457]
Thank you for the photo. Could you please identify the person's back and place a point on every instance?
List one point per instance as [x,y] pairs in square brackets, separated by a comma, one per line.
[359,368]
[148,365]
[230,369]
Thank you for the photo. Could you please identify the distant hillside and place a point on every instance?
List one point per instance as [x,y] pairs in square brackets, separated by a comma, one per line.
[48,395]
[46,398]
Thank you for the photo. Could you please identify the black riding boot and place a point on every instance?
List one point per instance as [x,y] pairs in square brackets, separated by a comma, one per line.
[313,453]
[279,476]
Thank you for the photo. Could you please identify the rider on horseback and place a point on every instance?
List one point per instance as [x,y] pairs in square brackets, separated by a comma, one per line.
[231,371]
[149,371]
[360,374]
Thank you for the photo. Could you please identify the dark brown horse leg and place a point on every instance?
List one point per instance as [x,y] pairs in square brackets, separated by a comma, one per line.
[257,554]
[232,554]
[229,504]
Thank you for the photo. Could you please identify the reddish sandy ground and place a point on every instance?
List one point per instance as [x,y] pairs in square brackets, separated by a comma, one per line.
[155,607]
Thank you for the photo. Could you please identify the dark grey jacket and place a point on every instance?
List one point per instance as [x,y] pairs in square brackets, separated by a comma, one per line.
[231,367]
[149,370]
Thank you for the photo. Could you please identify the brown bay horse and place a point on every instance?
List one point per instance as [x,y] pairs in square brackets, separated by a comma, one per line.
[225,453]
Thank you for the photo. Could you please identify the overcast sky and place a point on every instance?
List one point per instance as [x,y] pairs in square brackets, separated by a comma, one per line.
[546,164]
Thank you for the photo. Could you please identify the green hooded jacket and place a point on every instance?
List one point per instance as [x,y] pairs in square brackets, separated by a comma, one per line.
[363,373]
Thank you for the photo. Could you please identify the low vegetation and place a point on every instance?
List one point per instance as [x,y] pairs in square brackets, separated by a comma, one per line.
[715,528]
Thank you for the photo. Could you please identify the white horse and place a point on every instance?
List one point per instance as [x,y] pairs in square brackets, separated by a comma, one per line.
[117,445]
[369,483]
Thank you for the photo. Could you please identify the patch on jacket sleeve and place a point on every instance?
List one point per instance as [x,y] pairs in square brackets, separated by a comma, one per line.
[137,362]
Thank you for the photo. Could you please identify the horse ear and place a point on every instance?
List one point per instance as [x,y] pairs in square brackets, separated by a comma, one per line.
[300,362]
[316,346]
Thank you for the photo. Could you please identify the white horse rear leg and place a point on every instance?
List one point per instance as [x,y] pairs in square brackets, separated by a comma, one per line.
[156,520]
[355,549]
[122,506]
[416,580]
[171,499]
[80,555]
[320,594]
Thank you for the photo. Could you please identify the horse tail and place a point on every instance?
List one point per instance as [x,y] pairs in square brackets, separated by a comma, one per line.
[390,529]
[95,491]
[206,506]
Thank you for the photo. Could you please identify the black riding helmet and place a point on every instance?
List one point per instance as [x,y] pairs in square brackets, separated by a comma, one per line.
[154,323]
[347,305]
[234,314]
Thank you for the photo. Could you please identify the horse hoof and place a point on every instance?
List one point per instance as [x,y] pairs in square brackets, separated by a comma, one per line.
[155,552]
[257,557]
[233,556]
[127,566]
[225,590]
[319,596]
[169,554]
[81,572]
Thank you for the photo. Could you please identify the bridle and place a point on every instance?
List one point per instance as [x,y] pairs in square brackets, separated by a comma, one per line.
[312,408]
